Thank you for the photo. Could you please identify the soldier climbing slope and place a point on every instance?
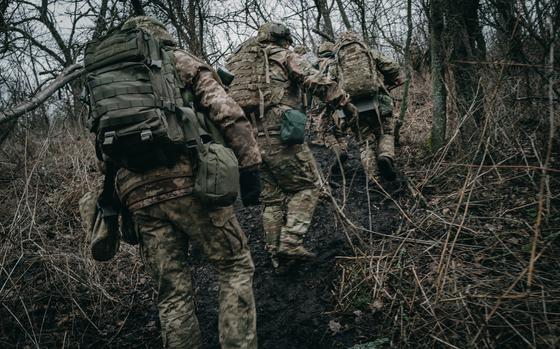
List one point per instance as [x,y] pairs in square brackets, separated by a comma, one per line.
[329,122]
[269,79]
[152,108]
[368,76]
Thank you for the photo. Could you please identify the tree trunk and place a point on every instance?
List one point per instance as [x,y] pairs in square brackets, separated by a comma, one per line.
[325,13]
[70,73]
[343,14]
[467,50]
[439,94]
[404,104]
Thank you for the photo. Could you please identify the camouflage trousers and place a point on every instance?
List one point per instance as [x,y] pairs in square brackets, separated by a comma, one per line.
[165,230]
[328,128]
[290,190]
[374,133]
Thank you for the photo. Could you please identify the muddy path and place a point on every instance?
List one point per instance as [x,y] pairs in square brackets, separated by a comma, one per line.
[294,310]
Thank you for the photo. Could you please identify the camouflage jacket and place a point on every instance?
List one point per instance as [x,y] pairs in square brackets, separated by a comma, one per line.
[387,67]
[290,75]
[140,190]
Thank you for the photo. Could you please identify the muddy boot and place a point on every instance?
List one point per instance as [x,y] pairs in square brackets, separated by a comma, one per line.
[386,151]
[290,260]
[299,253]
[386,169]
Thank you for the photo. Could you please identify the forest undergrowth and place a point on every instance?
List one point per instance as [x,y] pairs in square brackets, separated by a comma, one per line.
[463,251]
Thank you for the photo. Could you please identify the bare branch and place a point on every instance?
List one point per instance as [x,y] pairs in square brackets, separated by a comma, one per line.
[67,75]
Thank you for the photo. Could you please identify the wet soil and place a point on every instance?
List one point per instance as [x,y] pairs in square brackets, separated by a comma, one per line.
[294,309]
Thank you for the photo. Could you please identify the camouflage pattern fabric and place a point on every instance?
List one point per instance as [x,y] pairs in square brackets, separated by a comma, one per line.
[327,123]
[375,136]
[152,25]
[288,74]
[160,184]
[289,175]
[375,130]
[226,114]
[165,230]
[167,218]
[290,191]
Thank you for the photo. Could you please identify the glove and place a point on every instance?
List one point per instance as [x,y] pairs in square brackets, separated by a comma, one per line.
[351,113]
[250,186]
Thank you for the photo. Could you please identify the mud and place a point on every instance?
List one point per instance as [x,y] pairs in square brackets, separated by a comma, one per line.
[294,310]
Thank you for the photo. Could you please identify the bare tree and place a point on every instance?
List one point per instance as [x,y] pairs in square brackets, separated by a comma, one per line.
[439,93]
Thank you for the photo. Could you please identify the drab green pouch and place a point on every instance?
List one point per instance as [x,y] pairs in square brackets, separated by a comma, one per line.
[292,129]
[217,169]
[104,242]
[217,175]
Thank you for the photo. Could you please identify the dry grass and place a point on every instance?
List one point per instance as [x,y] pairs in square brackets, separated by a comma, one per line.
[52,293]
[456,271]
[453,273]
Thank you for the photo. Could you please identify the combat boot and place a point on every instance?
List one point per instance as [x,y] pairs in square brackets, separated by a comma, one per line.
[298,253]
[386,151]
[386,170]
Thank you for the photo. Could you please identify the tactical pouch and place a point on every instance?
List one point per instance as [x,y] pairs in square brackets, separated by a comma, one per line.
[292,129]
[217,169]
[104,240]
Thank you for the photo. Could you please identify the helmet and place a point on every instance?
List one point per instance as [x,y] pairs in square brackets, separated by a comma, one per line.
[152,26]
[350,35]
[300,50]
[274,32]
[326,49]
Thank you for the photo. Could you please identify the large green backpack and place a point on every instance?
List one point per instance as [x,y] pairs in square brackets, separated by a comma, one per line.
[133,92]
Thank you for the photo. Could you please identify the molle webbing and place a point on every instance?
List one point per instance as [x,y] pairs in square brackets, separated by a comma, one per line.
[146,103]
[113,79]
[142,89]
[134,90]
[255,84]
[129,46]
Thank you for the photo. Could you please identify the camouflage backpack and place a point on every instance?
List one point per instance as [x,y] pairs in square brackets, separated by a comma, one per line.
[357,72]
[260,77]
[255,84]
[133,92]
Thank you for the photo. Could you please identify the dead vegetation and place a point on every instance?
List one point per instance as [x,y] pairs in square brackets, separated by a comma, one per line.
[52,293]
[471,262]
[474,261]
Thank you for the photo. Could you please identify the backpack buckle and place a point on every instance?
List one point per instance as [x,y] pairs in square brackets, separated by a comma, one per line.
[109,138]
[146,135]
[154,63]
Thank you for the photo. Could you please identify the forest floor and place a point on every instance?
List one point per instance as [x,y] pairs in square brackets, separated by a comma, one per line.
[294,310]
[461,251]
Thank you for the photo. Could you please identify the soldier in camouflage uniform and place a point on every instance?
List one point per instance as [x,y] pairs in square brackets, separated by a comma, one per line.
[374,130]
[289,173]
[328,122]
[167,218]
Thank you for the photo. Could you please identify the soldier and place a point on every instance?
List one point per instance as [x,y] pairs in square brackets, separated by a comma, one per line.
[367,76]
[269,79]
[167,217]
[329,123]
